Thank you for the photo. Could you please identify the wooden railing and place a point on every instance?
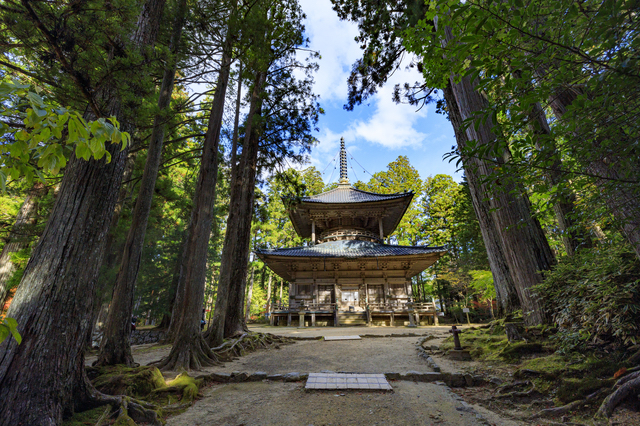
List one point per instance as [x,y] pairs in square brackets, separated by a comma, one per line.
[304,307]
[401,306]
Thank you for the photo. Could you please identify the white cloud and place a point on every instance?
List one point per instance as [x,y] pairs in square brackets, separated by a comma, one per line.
[393,125]
[379,128]
[334,39]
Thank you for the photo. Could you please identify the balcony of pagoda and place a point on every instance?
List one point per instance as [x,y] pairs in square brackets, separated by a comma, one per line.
[393,313]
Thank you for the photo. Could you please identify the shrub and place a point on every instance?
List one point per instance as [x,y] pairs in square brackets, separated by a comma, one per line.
[594,295]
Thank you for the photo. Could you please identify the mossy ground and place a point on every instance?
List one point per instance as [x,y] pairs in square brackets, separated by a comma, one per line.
[557,378]
[141,383]
[89,417]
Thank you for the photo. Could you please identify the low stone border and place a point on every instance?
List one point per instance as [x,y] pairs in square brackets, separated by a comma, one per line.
[451,379]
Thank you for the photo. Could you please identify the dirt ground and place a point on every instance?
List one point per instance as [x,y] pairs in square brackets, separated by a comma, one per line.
[276,403]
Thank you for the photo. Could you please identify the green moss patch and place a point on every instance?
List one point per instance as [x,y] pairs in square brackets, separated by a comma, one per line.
[89,417]
[136,382]
[188,385]
[571,389]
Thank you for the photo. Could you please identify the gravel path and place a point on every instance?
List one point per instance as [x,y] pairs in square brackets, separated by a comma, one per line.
[278,403]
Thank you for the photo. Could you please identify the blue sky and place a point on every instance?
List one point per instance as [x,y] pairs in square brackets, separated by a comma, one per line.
[378,132]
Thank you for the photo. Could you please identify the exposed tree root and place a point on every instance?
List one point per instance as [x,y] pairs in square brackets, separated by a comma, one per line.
[123,407]
[514,394]
[119,407]
[188,354]
[248,342]
[558,411]
[627,385]
[500,389]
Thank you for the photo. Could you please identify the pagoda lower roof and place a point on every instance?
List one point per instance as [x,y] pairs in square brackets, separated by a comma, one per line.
[350,249]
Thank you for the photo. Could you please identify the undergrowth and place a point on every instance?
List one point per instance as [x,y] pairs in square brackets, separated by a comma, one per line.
[558,376]
[594,298]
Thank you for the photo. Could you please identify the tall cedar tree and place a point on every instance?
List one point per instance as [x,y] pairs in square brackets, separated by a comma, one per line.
[115,348]
[282,115]
[189,350]
[44,378]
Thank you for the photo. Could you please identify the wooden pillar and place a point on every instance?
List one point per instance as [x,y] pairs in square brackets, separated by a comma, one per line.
[386,289]
[301,319]
[289,319]
[380,228]
[313,319]
[392,322]
[417,318]
[315,290]
[313,231]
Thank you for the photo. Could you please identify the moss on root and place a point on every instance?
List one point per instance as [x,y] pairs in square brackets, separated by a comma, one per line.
[137,382]
[188,385]
[142,383]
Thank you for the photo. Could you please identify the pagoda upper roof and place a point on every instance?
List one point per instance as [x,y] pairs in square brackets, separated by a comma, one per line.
[355,203]
[347,194]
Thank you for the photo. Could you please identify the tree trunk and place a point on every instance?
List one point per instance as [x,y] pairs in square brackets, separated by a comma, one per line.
[43,378]
[233,264]
[175,293]
[189,350]
[249,294]
[623,198]
[115,348]
[524,244]
[502,280]
[18,238]
[240,228]
[573,234]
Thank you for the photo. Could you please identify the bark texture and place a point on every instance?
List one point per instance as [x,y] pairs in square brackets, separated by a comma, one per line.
[506,293]
[41,378]
[524,244]
[228,317]
[189,350]
[115,348]
[18,238]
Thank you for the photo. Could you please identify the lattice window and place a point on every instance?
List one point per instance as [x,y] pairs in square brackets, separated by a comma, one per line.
[397,289]
[304,289]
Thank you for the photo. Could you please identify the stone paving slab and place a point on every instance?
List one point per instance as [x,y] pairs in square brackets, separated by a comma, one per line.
[342,338]
[347,381]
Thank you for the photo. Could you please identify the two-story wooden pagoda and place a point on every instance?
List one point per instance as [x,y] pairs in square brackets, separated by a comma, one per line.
[348,274]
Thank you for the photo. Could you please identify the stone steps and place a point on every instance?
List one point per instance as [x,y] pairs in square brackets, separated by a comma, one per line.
[352,319]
